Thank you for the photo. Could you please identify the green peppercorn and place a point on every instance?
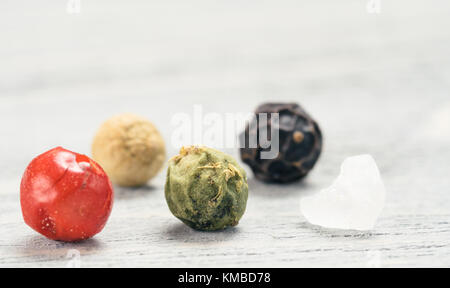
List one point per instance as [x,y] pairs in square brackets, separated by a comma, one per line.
[206,189]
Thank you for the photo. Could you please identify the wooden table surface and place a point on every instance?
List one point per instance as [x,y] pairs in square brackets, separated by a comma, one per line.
[376,83]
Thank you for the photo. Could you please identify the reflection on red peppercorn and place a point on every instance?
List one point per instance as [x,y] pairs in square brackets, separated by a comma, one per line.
[65,196]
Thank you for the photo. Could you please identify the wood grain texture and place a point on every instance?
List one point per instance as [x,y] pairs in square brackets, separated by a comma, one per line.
[377,84]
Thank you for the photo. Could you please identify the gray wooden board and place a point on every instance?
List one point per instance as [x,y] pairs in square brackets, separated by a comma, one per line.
[376,83]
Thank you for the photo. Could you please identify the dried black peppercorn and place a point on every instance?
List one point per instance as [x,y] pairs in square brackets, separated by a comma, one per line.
[300,142]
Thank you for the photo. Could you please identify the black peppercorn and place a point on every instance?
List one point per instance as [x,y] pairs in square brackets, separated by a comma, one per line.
[300,142]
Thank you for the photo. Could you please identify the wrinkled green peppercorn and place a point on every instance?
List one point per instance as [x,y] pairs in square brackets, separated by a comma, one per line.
[206,189]
[300,143]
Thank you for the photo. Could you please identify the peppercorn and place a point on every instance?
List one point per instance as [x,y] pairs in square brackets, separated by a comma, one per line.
[65,196]
[130,149]
[300,143]
[206,189]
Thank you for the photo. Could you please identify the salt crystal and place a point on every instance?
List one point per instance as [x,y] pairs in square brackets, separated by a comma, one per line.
[354,200]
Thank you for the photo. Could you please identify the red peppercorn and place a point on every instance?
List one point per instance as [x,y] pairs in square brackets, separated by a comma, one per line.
[65,196]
